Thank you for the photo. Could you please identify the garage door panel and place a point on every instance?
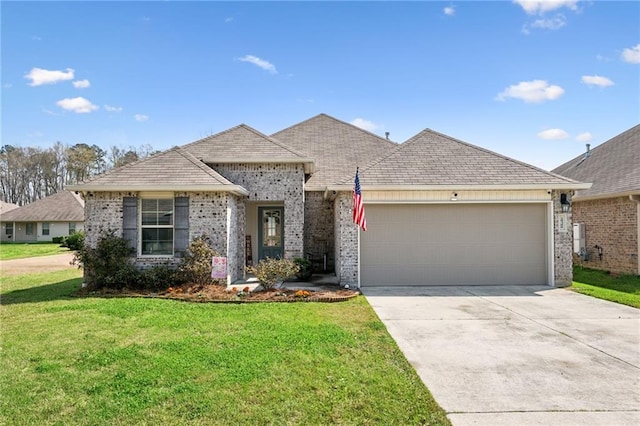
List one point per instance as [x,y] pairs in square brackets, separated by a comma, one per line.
[462,244]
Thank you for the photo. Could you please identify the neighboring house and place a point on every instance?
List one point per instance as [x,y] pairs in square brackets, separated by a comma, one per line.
[439,211]
[54,216]
[7,207]
[610,209]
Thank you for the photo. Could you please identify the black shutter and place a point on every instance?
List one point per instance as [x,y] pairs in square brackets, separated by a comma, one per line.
[130,221]
[180,225]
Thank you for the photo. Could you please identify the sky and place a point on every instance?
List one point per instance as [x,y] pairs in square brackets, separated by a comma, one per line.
[532,80]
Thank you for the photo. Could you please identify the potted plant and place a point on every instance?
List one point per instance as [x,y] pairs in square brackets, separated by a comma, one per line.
[304,265]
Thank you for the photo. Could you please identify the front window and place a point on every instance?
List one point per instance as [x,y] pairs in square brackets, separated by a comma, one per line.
[157,226]
[45,229]
[8,229]
[29,228]
[72,228]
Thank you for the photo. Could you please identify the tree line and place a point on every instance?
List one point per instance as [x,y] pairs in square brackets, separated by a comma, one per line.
[28,174]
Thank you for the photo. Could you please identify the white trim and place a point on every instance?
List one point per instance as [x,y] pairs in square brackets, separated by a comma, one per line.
[551,246]
[89,187]
[502,187]
[139,200]
[309,163]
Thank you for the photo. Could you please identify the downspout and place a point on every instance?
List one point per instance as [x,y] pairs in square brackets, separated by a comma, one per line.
[636,198]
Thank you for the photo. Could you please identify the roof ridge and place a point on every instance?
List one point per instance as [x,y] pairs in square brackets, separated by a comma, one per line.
[273,140]
[322,114]
[488,151]
[214,135]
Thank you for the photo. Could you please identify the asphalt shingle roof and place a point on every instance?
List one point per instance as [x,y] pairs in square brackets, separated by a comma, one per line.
[7,207]
[337,147]
[173,167]
[64,206]
[613,167]
[431,158]
[242,143]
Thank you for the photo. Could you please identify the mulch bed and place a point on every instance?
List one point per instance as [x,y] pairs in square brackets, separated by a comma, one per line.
[219,294]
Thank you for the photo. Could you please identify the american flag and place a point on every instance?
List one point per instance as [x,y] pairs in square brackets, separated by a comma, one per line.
[358,207]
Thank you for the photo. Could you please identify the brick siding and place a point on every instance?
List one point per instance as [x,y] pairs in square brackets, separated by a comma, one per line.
[611,223]
[319,230]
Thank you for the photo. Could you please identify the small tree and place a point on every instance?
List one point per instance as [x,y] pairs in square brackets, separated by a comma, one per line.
[196,264]
[109,264]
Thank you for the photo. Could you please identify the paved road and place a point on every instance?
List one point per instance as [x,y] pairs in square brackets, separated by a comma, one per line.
[518,355]
[55,262]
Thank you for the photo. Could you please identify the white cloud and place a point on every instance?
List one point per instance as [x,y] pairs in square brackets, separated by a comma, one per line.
[531,91]
[265,65]
[78,105]
[110,108]
[554,23]
[602,58]
[365,124]
[141,117]
[553,134]
[228,20]
[7,85]
[36,38]
[539,7]
[584,137]
[632,54]
[449,10]
[81,84]
[39,76]
[596,80]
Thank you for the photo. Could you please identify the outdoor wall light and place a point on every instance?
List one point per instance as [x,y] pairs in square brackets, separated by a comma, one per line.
[454,196]
[565,203]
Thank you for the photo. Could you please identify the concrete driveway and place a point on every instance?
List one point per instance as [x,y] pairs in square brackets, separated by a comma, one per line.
[518,355]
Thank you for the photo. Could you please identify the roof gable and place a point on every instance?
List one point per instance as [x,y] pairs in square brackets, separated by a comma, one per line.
[431,159]
[243,144]
[338,147]
[613,167]
[175,169]
[64,206]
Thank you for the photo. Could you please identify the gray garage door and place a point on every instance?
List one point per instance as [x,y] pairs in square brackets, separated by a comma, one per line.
[459,244]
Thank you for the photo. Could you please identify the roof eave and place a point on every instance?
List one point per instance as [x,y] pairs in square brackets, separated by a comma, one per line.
[481,187]
[88,187]
[309,163]
[601,196]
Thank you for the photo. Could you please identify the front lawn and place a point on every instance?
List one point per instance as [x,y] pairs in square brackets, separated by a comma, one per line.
[69,360]
[624,289]
[10,250]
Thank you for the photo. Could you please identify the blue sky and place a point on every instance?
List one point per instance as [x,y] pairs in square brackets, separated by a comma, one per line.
[531,80]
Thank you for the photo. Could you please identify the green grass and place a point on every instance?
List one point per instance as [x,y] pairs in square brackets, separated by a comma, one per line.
[624,289]
[95,361]
[22,250]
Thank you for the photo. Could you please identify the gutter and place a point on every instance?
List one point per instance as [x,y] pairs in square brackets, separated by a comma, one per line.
[88,187]
[465,187]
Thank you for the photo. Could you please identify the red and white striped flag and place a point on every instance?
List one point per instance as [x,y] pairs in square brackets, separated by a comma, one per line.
[358,207]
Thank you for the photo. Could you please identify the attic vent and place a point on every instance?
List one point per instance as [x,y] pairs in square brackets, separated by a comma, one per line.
[386,135]
[588,153]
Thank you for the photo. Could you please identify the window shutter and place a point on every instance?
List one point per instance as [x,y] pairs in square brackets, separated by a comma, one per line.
[181,225]
[130,221]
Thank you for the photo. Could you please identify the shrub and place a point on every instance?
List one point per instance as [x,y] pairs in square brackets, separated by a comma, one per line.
[157,278]
[270,271]
[305,268]
[74,241]
[59,240]
[196,264]
[109,264]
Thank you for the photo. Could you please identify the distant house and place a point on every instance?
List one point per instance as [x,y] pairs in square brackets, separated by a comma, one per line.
[54,216]
[610,210]
[7,207]
[440,211]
